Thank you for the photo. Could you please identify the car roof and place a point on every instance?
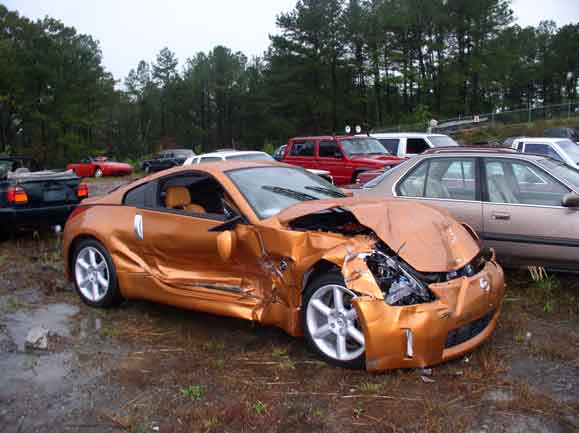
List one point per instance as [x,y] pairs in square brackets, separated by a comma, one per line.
[405,134]
[226,153]
[478,151]
[328,137]
[545,140]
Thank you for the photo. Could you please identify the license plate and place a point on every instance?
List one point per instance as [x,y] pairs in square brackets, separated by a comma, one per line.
[56,195]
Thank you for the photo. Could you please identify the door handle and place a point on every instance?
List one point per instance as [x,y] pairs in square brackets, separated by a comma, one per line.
[501,216]
[138,226]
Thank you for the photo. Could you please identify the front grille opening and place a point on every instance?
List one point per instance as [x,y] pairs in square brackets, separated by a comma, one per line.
[468,331]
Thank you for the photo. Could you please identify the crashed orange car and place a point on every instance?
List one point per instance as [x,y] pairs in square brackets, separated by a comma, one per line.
[374,283]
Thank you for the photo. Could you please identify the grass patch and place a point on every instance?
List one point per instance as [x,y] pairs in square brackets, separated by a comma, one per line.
[259,408]
[193,392]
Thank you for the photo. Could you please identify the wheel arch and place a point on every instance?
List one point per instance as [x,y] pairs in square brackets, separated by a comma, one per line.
[321,267]
[72,248]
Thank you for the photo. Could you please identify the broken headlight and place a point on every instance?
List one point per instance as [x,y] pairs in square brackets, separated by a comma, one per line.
[397,280]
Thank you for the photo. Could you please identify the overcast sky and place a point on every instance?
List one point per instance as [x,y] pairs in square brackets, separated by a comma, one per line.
[133,30]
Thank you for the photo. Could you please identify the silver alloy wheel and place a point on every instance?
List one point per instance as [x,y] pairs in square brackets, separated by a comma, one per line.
[92,274]
[98,172]
[333,323]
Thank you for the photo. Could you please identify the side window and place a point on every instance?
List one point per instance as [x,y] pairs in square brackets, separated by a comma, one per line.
[541,149]
[391,144]
[303,148]
[136,197]
[210,159]
[520,146]
[451,178]
[413,185]
[192,193]
[415,146]
[329,149]
[517,182]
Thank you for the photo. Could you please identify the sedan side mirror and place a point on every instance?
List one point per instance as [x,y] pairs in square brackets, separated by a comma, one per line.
[570,200]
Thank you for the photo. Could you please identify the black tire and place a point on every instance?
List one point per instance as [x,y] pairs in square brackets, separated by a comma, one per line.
[113,295]
[333,277]
[98,172]
[147,169]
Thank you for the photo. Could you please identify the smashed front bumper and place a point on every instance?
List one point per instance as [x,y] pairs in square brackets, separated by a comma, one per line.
[464,315]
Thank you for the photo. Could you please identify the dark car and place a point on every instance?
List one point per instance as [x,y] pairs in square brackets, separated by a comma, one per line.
[30,198]
[569,133]
[166,159]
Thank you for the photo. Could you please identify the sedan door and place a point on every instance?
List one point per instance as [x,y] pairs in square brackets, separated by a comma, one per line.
[523,217]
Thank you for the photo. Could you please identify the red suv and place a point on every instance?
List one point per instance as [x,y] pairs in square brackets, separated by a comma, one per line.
[345,157]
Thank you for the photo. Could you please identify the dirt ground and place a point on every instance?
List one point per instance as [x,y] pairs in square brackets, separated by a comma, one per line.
[146,368]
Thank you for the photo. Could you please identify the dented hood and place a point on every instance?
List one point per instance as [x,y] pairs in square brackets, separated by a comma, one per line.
[429,239]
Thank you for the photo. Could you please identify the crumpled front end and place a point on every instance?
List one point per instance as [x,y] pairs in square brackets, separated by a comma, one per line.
[413,319]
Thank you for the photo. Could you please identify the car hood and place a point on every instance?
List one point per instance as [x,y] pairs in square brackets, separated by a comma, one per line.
[376,159]
[428,239]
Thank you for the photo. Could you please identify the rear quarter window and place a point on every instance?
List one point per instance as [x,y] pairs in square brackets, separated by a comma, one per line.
[302,148]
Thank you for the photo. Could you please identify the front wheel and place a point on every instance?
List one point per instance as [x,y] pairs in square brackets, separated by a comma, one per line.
[147,169]
[95,276]
[98,172]
[330,322]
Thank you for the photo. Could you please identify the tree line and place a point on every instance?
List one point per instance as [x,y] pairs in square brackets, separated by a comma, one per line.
[331,63]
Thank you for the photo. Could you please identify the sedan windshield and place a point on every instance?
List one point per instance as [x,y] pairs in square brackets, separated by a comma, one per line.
[562,171]
[258,156]
[571,149]
[442,141]
[269,190]
[363,146]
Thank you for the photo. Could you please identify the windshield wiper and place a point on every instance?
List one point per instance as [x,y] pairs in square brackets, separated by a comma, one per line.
[289,192]
[327,191]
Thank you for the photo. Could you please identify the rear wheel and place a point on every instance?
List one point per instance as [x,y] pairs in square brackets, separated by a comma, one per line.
[95,276]
[147,169]
[98,172]
[330,322]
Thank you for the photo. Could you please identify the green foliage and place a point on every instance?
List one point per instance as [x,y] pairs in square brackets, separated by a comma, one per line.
[331,63]
[259,408]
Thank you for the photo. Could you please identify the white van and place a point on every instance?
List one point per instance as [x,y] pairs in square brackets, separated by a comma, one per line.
[408,144]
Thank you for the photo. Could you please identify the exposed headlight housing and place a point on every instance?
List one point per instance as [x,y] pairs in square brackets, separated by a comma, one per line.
[396,280]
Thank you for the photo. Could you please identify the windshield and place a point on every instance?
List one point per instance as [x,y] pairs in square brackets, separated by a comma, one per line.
[570,148]
[562,171]
[251,157]
[269,190]
[363,146]
[442,141]
[378,180]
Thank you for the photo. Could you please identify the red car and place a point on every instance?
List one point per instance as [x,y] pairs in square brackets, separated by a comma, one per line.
[100,166]
[345,157]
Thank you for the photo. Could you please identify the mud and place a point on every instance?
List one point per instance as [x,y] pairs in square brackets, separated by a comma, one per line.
[149,368]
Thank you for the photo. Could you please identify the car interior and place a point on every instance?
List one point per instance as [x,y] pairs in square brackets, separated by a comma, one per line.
[197,194]
[513,182]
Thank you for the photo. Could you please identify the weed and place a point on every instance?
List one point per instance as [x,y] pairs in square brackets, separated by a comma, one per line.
[13,304]
[358,411]
[286,364]
[3,258]
[549,306]
[214,345]
[218,364]
[140,429]
[279,353]
[259,407]
[317,412]
[211,423]
[519,338]
[194,392]
[110,332]
[369,387]
[30,363]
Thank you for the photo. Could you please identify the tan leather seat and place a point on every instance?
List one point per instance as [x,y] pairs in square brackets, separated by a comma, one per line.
[178,197]
[499,192]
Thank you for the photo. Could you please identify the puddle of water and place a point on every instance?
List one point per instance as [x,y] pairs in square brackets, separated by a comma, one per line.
[54,317]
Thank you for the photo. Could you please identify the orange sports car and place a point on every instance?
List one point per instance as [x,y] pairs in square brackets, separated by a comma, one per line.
[379,283]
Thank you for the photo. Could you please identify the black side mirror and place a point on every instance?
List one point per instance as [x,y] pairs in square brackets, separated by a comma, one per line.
[570,200]
[228,225]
